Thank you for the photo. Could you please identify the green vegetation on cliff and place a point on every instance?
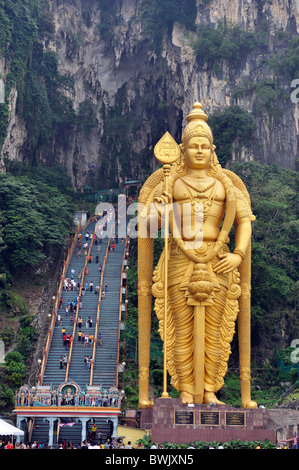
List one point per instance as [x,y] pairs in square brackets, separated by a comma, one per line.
[232,126]
[158,17]
[35,213]
[224,43]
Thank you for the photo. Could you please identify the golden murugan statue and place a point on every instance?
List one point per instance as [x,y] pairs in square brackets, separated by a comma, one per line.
[200,287]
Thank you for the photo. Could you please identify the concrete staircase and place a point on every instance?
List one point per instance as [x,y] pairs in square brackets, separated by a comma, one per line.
[106,357]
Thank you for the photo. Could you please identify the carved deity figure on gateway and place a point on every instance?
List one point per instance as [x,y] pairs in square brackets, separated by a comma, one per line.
[200,287]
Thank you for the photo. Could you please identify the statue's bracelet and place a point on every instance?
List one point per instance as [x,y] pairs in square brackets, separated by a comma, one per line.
[239,252]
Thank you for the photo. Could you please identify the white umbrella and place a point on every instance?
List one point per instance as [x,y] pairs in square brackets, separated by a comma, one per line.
[7,429]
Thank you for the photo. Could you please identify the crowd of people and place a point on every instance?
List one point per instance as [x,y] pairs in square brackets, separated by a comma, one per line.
[94,442]
[87,340]
[84,337]
[90,443]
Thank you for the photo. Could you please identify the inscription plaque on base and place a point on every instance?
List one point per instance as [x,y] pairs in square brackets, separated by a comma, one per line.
[183,417]
[209,418]
[235,418]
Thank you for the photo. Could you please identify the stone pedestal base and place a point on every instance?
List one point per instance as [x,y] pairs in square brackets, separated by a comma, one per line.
[171,421]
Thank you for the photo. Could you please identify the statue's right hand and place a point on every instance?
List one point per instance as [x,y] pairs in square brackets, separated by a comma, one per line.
[164,198]
[160,203]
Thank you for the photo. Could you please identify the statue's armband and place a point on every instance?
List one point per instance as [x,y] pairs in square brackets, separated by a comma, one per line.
[242,208]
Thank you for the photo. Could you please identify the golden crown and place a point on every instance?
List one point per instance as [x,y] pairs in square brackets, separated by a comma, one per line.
[197,125]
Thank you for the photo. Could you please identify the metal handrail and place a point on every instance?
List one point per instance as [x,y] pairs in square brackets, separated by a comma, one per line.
[55,308]
[98,309]
[77,311]
[120,308]
[98,315]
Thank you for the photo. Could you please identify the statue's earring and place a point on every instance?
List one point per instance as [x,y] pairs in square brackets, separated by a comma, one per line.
[181,160]
[213,166]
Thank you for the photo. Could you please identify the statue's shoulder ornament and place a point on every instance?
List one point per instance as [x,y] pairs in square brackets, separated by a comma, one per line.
[243,204]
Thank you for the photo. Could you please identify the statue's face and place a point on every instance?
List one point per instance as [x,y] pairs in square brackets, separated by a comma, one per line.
[198,152]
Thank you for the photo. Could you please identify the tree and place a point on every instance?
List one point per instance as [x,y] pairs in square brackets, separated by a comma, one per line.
[7,397]
[15,368]
[34,216]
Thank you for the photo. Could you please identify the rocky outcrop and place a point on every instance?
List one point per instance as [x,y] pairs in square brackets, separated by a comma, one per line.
[152,92]
[16,132]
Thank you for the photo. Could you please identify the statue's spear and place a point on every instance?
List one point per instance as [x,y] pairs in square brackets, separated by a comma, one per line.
[166,152]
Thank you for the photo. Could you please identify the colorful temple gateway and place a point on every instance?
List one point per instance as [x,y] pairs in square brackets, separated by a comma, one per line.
[67,405]
[68,394]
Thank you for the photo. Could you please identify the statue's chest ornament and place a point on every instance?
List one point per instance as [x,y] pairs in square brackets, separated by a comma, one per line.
[205,194]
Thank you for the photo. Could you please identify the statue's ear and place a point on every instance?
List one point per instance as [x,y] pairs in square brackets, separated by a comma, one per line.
[213,147]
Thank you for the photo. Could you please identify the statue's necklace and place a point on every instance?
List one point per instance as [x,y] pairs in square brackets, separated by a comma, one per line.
[201,187]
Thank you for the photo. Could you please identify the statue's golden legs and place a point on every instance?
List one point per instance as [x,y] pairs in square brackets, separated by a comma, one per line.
[186,344]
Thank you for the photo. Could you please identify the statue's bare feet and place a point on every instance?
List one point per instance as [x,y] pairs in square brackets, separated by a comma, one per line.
[145,403]
[210,397]
[186,397]
[251,405]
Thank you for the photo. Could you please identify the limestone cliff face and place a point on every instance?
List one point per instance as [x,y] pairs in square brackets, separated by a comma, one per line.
[137,94]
